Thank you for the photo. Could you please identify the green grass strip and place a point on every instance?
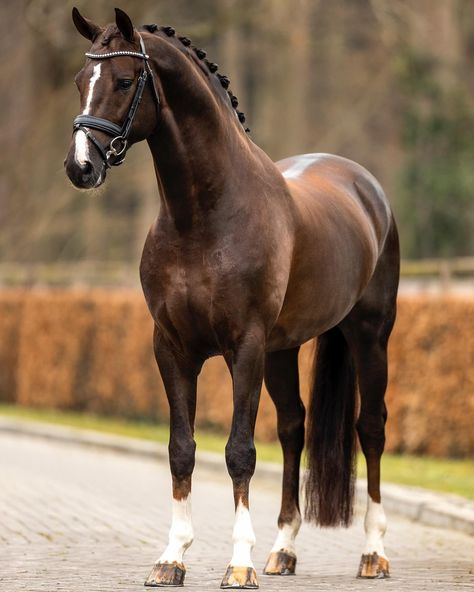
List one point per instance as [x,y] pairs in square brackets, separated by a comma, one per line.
[446,475]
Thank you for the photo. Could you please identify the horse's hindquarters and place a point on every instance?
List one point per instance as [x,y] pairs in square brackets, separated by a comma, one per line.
[341,221]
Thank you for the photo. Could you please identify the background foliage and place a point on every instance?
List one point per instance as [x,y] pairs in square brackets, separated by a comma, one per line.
[388,83]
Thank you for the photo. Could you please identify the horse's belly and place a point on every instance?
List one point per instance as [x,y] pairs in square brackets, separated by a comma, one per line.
[321,291]
[305,320]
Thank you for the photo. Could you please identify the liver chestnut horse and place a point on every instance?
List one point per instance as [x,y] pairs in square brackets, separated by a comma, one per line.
[248,259]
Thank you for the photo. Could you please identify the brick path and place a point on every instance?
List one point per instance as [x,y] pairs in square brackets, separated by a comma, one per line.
[76,519]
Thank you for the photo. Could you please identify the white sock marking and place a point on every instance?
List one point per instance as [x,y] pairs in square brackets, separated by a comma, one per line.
[181,532]
[285,540]
[375,525]
[82,145]
[243,538]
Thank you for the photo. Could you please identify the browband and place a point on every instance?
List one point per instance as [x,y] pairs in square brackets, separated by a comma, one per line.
[114,54]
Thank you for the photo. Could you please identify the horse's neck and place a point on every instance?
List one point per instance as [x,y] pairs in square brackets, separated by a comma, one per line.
[194,165]
[199,147]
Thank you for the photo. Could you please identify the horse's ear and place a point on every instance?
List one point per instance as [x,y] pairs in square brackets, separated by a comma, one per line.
[85,27]
[124,24]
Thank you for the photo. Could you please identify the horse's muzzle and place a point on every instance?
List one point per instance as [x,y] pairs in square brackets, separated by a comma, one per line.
[84,175]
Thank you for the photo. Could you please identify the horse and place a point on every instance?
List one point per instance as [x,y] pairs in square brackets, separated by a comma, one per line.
[248,259]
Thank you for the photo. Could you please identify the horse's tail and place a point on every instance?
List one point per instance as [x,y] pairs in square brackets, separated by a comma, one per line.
[331,441]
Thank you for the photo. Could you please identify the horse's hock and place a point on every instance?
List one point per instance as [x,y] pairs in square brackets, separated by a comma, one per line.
[108,366]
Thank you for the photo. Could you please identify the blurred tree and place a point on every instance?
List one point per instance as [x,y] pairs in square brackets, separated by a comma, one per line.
[433,43]
[388,83]
[437,178]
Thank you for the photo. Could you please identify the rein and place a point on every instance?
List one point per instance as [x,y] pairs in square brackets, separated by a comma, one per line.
[118,144]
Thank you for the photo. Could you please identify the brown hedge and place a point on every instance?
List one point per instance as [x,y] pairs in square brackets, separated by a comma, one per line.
[91,351]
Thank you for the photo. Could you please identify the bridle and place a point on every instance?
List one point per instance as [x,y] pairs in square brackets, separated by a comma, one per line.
[117,146]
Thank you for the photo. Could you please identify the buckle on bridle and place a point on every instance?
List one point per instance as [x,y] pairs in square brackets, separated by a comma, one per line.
[116,151]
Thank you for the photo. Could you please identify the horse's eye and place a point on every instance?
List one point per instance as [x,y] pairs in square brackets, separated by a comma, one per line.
[124,83]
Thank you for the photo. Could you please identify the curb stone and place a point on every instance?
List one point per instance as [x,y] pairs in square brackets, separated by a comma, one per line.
[420,505]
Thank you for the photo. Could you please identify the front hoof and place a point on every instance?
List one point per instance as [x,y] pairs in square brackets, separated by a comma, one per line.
[373,566]
[280,563]
[166,574]
[240,577]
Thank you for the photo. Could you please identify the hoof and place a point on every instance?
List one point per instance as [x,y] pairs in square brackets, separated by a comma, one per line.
[373,566]
[166,574]
[240,577]
[280,563]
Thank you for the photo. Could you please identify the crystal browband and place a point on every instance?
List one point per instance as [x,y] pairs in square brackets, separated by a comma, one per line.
[113,54]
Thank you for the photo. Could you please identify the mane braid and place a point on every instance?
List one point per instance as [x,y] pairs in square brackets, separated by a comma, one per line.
[224,81]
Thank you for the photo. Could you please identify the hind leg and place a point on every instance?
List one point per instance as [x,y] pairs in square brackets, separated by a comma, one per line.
[367,329]
[372,373]
[282,382]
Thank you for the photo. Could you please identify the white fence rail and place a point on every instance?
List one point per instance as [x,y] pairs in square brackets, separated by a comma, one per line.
[441,272]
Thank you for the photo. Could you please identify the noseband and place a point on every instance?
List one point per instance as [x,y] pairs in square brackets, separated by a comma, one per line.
[118,144]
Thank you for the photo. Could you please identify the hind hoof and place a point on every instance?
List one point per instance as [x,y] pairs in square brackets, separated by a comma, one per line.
[372,566]
[166,574]
[280,563]
[240,577]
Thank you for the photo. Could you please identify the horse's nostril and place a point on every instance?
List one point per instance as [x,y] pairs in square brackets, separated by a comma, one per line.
[86,168]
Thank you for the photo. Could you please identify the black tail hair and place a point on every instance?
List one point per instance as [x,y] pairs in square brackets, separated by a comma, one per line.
[331,441]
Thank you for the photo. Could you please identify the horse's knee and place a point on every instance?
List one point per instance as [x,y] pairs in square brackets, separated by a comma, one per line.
[240,457]
[182,457]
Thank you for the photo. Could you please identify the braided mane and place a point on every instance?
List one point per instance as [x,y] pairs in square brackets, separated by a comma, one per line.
[211,66]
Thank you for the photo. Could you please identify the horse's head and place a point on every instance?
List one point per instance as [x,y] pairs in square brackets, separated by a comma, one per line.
[119,100]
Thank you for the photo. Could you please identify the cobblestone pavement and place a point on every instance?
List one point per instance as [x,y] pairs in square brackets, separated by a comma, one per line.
[86,520]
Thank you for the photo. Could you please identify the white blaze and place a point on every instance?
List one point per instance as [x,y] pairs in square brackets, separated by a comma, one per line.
[285,540]
[82,145]
[181,532]
[243,538]
[375,525]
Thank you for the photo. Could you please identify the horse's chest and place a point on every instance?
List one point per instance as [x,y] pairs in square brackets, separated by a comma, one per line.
[205,293]
[181,300]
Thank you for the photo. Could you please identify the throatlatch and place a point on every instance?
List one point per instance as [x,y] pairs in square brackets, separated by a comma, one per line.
[118,144]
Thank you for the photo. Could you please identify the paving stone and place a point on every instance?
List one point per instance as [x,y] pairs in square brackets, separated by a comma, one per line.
[86,520]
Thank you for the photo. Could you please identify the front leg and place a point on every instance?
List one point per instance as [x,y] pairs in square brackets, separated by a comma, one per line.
[246,367]
[179,375]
